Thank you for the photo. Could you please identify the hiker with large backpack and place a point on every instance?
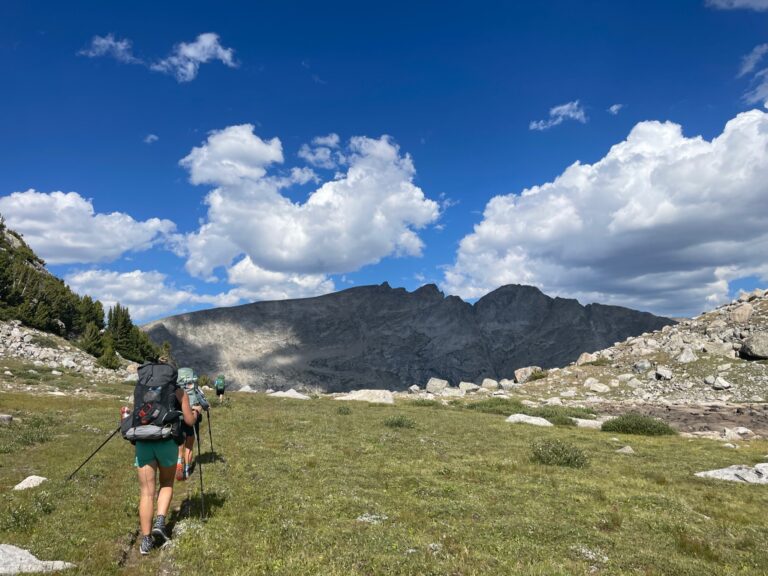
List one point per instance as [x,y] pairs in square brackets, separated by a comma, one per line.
[154,427]
[220,385]
[187,380]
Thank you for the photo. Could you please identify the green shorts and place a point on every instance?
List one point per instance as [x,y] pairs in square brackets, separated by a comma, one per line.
[164,452]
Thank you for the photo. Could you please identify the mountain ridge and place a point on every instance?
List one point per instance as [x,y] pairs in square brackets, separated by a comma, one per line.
[381,337]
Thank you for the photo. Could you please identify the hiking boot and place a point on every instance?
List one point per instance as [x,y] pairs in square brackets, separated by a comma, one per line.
[180,471]
[147,543]
[160,532]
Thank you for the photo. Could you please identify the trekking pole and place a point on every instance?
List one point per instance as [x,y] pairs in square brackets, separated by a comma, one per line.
[200,466]
[94,452]
[210,434]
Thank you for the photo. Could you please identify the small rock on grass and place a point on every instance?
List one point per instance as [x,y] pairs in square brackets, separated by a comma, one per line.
[5,419]
[29,482]
[525,419]
[625,450]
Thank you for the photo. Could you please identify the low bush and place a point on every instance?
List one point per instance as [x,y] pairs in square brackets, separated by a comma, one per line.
[503,406]
[558,453]
[426,403]
[633,423]
[344,410]
[27,431]
[537,375]
[399,421]
[560,413]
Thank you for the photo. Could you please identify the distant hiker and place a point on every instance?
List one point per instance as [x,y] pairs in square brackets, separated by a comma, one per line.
[154,427]
[187,380]
[220,386]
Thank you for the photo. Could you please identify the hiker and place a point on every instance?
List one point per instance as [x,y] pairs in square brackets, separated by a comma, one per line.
[154,428]
[220,386]
[185,464]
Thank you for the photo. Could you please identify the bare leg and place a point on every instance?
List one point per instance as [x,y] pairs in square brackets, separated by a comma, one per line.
[189,447]
[167,476]
[147,500]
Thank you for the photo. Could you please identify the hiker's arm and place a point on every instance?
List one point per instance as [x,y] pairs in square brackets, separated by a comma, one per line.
[189,415]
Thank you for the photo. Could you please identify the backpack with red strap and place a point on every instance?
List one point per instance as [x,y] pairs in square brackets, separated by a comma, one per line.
[156,412]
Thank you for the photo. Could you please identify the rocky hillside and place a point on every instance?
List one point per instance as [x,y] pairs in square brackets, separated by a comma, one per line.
[720,356]
[385,338]
[38,349]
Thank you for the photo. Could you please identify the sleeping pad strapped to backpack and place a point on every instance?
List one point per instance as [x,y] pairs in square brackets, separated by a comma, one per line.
[156,414]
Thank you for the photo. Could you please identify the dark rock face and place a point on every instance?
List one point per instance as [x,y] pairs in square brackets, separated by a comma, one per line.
[380,337]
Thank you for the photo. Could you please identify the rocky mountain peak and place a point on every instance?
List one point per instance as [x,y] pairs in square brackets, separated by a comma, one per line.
[388,338]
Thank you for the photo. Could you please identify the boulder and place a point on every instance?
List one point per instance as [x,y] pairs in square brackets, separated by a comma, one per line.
[586,358]
[687,356]
[14,560]
[415,389]
[290,394]
[741,313]
[372,396]
[585,423]
[719,349]
[490,384]
[30,482]
[451,392]
[554,401]
[522,375]
[468,386]
[755,347]
[641,366]
[721,383]
[507,384]
[525,419]
[739,473]
[663,373]
[436,385]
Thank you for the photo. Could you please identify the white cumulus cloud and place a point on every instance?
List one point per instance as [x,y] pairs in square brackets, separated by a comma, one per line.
[615,109]
[119,49]
[323,152]
[64,228]
[569,111]
[183,63]
[146,294]
[370,211]
[663,222]
[739,4]
[186,58]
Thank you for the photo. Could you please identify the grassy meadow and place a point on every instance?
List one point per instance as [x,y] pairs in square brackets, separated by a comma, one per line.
[331,488]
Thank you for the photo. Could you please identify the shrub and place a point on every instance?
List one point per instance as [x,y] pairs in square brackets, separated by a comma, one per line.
[503,406]
[633,423]
[426,402]
[557,453]
[344,410]
[560,413]
[399,421]
[537,375]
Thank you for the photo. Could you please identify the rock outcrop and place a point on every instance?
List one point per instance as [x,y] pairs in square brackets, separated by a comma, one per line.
[42,349]
[378,337]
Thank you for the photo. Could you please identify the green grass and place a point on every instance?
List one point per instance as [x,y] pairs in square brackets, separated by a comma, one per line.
[400,421]
[633,423]
[295,489]
[558,415]
[537,375]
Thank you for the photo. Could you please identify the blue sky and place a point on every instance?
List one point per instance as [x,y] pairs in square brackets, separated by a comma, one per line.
[338,144]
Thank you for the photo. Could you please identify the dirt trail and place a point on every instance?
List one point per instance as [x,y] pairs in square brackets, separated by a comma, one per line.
[130,558]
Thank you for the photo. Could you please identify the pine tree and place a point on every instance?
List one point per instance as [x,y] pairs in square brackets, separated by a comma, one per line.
[91,341]
[109,359]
